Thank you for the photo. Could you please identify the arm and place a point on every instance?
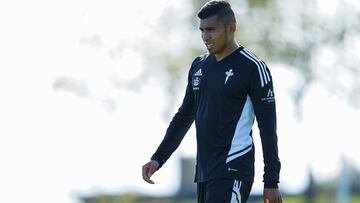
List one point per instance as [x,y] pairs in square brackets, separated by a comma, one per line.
[176,131]
[263,98]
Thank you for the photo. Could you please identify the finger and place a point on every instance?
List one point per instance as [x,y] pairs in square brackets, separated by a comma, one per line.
[145,178]
[145,170]
[148,180]
[145,173]
[266,200]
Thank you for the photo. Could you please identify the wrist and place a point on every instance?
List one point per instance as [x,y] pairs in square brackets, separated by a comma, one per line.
[159,161]
[271,185]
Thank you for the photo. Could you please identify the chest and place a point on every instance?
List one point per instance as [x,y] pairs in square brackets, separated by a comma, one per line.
[221,80]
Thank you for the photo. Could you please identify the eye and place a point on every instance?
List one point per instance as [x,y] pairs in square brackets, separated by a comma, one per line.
[211,29]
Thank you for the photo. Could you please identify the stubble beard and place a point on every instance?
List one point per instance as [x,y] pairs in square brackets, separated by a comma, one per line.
[224,45]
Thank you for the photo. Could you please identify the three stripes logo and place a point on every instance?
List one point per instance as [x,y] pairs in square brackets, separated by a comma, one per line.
[262,69]
[198,73]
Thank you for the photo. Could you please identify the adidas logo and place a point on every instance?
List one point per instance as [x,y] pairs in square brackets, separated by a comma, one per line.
[198,73]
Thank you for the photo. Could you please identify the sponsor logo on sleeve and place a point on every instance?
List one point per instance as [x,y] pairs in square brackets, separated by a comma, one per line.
[269,97]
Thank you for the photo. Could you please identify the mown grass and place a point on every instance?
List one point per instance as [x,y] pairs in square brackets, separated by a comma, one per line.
[321,198]
[294,199]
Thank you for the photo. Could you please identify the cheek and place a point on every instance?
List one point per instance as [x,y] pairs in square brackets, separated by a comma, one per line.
[216,36]
[219,34]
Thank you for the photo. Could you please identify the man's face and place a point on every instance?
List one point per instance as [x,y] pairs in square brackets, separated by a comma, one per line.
[215,34]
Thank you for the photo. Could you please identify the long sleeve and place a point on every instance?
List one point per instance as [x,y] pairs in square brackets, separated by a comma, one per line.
[263,98]
[178,127]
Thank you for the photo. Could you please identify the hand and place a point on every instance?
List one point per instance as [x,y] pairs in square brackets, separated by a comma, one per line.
[272,195]
[149,169]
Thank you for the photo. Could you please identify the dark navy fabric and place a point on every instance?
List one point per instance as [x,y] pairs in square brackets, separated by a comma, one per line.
[224,97]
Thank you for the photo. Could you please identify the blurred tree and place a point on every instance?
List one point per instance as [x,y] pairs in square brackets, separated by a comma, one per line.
[319,45]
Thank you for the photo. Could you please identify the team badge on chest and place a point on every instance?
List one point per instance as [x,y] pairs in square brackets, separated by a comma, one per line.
[228,74]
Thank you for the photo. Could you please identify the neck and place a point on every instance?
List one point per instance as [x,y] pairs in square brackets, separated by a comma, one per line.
[231,47]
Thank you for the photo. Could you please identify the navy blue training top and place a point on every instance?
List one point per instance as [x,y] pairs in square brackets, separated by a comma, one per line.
[224,97]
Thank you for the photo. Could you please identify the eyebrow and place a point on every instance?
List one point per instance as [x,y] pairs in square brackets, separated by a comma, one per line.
[207,28]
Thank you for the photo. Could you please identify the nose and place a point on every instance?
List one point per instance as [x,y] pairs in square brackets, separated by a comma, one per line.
[205,36]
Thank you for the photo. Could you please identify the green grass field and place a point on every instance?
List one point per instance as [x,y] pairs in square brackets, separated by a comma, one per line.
[321,198]
[318,199]
[296,199]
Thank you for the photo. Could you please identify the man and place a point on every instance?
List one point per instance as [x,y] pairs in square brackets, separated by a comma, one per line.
[227,88]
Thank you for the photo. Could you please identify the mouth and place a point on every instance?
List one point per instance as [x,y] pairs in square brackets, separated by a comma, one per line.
[209,46]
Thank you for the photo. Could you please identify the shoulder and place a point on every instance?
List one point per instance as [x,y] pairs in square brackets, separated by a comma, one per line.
[251,59]
[197,61]
[257,66]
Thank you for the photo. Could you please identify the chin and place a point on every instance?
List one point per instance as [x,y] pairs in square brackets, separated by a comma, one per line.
[212,51]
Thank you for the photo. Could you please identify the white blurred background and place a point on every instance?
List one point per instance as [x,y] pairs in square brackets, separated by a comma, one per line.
[86,95]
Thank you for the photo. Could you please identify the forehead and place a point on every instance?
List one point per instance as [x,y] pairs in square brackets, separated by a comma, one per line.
[210,22]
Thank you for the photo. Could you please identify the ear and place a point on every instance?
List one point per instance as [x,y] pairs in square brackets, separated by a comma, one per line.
[232,27]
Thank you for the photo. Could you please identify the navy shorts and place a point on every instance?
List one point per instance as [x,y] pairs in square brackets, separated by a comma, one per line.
[223,191]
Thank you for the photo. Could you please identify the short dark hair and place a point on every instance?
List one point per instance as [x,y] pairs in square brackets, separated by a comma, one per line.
[221,9]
